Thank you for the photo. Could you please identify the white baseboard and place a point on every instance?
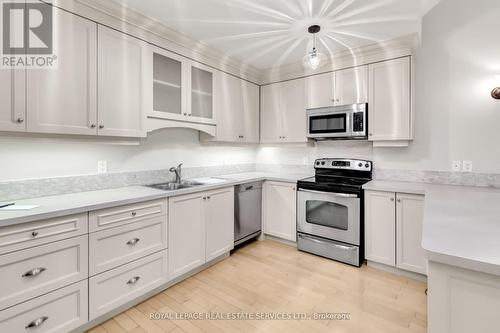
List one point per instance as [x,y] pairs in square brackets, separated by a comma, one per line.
[397,271]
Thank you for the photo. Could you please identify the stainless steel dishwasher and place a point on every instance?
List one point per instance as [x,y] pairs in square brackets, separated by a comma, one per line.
[247,211]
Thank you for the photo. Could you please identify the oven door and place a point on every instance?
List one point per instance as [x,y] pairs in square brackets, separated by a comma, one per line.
[334,216]
[326,123]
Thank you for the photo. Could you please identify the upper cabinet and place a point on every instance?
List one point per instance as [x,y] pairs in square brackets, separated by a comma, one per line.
[123,76]
[201,96]
[64,100]
[343,87]
[237,106]
[283,112]
[389,105]
[13,109]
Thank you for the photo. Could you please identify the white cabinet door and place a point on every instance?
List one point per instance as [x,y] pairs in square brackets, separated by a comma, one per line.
[63,100]
[320,90]
[351,86]
[219,222]
[186,234]
[293,111]
[270,117]
[409,220]
[12,95]
[169,76]
[125,87]
[380,224]
[389,115]
[201,94]
[279,205]
[251,95]
[230,122]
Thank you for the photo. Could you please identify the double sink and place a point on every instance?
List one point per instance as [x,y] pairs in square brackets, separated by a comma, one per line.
[172,186]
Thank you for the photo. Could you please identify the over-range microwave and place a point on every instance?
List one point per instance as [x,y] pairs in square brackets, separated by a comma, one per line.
[346,122]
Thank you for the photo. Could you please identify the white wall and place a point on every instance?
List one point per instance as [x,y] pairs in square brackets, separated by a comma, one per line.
[24,158]
[456,119]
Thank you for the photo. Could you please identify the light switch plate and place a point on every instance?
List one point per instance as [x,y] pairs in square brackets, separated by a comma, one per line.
[467,166]
[456,166]
[102,167]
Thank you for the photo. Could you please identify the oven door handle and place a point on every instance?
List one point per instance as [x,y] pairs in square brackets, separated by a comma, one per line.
[340,246]
[341,195]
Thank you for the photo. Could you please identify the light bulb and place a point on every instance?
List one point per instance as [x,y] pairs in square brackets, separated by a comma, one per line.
[314,59]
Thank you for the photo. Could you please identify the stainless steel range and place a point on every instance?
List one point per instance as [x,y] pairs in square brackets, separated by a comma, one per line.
[330,210]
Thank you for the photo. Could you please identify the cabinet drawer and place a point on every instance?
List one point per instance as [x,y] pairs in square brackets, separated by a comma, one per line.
[21,236]
[117,216]
[35,271]
[57,312]
[125,283]
[117,246]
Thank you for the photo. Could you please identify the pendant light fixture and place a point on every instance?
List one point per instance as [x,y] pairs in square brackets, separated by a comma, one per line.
[314,59]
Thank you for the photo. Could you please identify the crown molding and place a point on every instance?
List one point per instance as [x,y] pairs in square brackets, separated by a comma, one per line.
[384,50]
[133,22]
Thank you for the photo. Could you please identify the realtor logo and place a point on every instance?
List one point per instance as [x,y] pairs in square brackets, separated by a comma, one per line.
[27,36]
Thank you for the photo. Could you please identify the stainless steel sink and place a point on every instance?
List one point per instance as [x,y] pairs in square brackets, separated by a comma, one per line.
[172,186]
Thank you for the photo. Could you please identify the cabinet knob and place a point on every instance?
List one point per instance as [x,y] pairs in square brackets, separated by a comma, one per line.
[34,234]
[208,198]
[20,120]
[92,126]
[101,126]
[134,213]
[371,134]
[37,322]
[399,200]
[392,199]
[133,241]
[204,198]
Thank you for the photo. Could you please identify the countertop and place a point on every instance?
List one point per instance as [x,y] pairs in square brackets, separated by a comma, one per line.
[393,186]
[74,203]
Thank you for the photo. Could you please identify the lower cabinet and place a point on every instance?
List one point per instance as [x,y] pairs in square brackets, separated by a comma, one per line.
[393,230]
[113,288]
[59,311]
[279,210]
[201,228]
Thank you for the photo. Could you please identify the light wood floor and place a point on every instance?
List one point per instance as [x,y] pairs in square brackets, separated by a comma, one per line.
[269,276]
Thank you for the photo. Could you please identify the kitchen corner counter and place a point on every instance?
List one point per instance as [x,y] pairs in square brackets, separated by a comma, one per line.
[74,203]
[462,227]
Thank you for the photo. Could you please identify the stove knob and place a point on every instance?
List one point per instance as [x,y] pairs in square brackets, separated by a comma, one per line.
[360,165]
[367,165]
[323,163]
[318,163]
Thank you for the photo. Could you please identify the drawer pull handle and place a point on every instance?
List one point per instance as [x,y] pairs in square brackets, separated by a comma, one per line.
[133,241]
[37,322]
[133,280]
[134,213]
[33,272]
[34,233]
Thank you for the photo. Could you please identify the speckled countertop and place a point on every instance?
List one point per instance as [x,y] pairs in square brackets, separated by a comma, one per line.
[74,203]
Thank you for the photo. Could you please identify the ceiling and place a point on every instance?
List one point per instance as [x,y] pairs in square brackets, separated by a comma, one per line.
[271,33]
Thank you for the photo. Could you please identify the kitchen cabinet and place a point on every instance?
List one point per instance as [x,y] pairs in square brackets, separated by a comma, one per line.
[380,227]
[63,100]
[283,112]
[201,93]
[393,230]
[201,228]
[279,210]
[350,86]
[219,222]
[124,92]
[12,95]
[237,106]
[409,222]
[389,91]
[343,87]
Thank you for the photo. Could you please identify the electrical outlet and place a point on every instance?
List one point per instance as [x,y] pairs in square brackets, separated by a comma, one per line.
[456,166]
[102,167]
[467,166]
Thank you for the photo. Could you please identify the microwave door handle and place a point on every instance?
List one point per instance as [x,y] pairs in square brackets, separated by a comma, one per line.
[341,195]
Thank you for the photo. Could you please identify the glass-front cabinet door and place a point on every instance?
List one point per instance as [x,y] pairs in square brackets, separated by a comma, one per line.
[201,94]
[169,85]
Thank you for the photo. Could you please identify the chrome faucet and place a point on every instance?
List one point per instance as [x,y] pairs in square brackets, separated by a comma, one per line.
[178,172]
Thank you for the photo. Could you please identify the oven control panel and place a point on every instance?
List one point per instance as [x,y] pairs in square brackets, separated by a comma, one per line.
[345,164]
